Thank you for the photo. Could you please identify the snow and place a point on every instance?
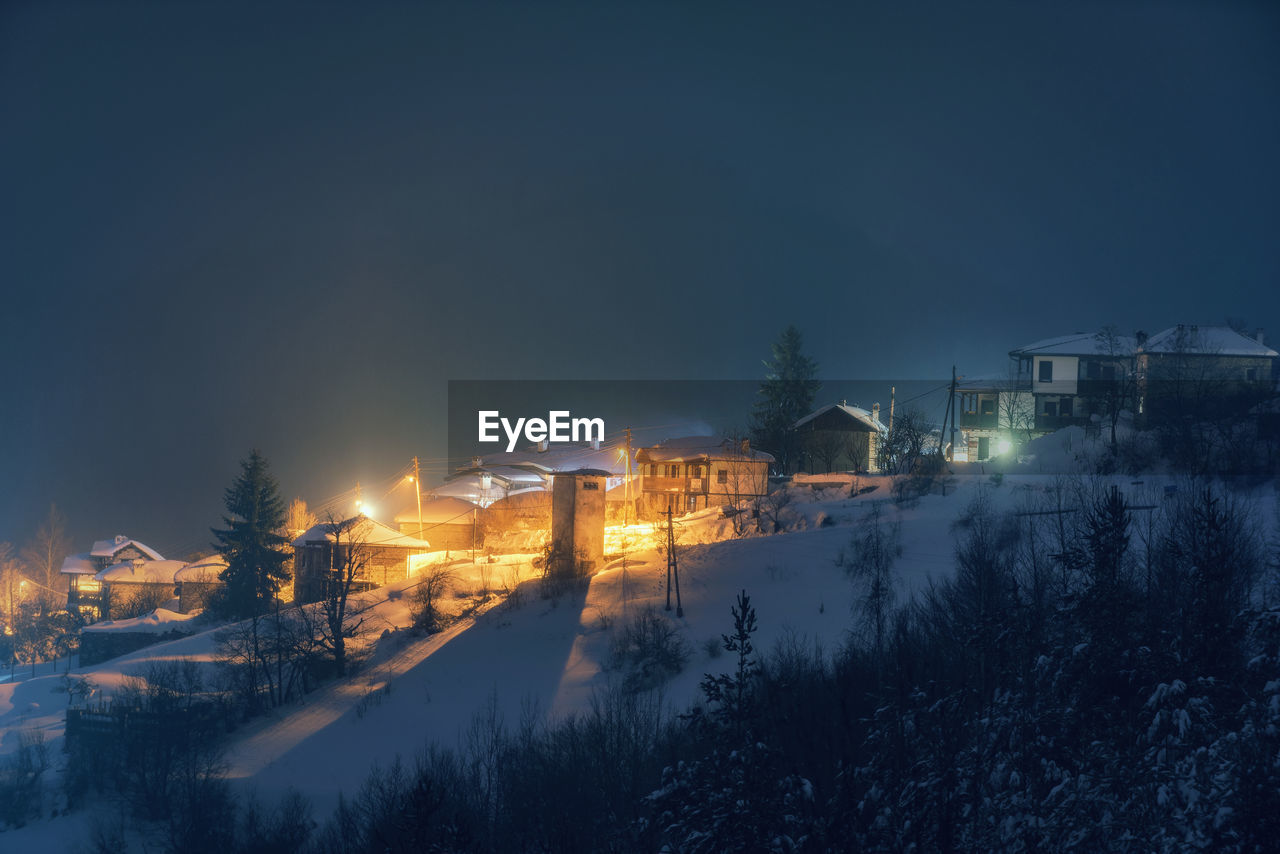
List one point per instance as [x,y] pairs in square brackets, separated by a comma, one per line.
[1208,340]
[855,412]
[204,570]
[109,548]
[362,530]
[141,572]
[438,511]
[553,655]
[158,622]
[79,564]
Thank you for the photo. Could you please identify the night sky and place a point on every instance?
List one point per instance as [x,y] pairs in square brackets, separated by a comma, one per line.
[288,226]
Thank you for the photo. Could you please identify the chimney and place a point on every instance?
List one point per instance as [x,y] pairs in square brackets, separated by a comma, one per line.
[1140,337]
[595,444]
[875,412]
[542,446]
[475,462]
[1259,335]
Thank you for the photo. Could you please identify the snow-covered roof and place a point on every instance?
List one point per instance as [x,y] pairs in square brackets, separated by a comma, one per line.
[1206,340]
[79,564]
[158,622]
[205,570]
[691,448]
[141,572]
[857,413]
[438,511]
[511,474]
[561,456]
[1078,344]
[363,530]
[109,548]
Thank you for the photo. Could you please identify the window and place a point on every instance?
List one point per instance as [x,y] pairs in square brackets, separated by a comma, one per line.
[1093,370]
[1046,371]
[988,407]
[1109,373]
[722,476]
[967,401]
[1251,374]
[653,469]
[1064,407]
[1051,408]
[674,471]
[695,471]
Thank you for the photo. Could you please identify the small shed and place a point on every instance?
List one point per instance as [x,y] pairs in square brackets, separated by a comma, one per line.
[197,580]
[449,522]
[841,437]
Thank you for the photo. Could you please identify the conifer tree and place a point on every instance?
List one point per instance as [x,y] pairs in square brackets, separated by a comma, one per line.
[251,542]
[785,396]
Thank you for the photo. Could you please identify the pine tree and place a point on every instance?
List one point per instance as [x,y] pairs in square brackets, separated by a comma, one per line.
[251,542]
[785,396]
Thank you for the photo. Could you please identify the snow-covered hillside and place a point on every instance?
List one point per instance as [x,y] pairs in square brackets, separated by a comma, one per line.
[551,654]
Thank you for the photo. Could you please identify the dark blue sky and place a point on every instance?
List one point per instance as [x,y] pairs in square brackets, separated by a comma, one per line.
[288,226]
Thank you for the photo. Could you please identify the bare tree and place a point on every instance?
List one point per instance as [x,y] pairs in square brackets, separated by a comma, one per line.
[904,446]
[349,558]
[1118,384]
[868,561]
[1015,409]
[424,606]
[299,518]
[43,554]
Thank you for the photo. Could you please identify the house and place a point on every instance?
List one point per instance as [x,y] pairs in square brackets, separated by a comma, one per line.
[449,522]
[1203,370]
[197,580]
[84,590]
[1071,378]
[694,472]
[993,416]
[132,588]
[380,554]
[840,437]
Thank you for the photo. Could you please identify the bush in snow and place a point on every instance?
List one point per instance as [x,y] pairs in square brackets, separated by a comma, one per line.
[650,648]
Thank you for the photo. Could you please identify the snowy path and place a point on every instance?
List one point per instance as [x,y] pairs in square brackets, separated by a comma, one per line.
[269,740]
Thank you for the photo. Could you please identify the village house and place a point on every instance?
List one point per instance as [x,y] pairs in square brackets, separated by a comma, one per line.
[380,554]
[136,587]
[694,472]
[450,523]
[84,589]
[840,437]
[1203,371]
[1068,380]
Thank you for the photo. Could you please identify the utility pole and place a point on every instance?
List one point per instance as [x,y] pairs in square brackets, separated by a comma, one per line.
[892,393]
[673,570]
[948,413]
[953,413]
[626,484]
[417,488]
